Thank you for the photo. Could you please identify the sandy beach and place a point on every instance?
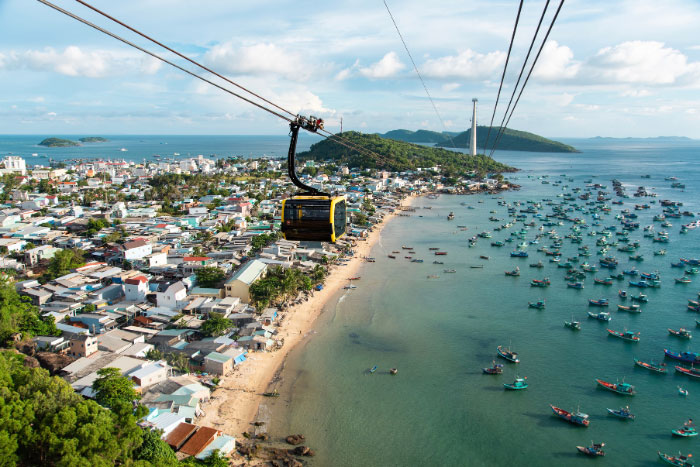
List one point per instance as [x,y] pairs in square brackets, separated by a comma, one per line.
[234,404]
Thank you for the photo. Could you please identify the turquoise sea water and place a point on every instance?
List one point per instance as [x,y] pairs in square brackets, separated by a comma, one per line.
[440,409]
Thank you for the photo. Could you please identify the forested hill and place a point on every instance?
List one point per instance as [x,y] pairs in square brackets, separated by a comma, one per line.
[511,140]
[420,136]
[399,156]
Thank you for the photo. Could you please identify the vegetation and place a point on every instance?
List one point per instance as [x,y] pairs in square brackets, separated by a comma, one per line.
[216,325]
[62,263]
[112,389]
[19,317]
[93,139]
[46,423]
[209,276]
[261,241]
[58,143]
[511,140]
[282,283]
[400,156]
[420,136]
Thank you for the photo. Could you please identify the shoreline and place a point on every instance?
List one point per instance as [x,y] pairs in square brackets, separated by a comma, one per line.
[234,404]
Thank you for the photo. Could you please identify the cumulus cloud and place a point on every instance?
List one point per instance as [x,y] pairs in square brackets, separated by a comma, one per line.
[465,65]
[74,61]
[387,67]
[555,62]
[258,59]
[635,93]
[449,87]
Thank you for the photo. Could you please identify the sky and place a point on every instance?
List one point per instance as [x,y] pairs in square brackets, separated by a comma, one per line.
[609,68]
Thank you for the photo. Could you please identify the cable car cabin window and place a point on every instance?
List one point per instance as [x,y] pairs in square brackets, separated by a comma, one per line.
[339,219]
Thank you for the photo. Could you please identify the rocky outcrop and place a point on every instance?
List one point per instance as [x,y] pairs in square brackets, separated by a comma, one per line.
[295,439]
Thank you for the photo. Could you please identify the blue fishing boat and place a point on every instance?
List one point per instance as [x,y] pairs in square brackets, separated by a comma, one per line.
[630,272]
[622,294]
[640,298]
[687,430]
[602,316]
[539,304]
[594,450]
[623,388]
[680,460]
[495,369]
[688,357]
[519,383]
[519,254]
[508,354]
[623,413]
[373,369]
[600,302]
[575,285]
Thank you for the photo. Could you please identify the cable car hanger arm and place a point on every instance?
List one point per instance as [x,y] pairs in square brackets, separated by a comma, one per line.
[312,124]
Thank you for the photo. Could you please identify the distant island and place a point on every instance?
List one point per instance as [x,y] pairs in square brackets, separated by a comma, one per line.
[58,143]
[93,139]
[399,156]
[511,140]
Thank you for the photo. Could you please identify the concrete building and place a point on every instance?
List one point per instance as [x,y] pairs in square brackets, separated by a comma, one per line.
[82,346]
[15,164]
[239,284]
[135,289]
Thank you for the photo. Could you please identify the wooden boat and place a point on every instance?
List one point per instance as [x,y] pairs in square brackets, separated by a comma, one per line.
[657,367]
[577,418]
[683,280]
[449,271]
[438,262]
[595,449]
[393,371]
[496,369]
[692,371]
[274,393]
[679,460]
[575,285]
[484,257]
[537,265]
[540,283]
[508,354]
[514,272]
[519,383]
[433,276]
[602,316]
[434,248]
[688,357]
[392,256]
[622,412]
[476,267]
[404,247]
[623,388]
[539,304]
[373,369]
[687,430]
[640,298]
[607,281]
[626,335]
[416,260]
[575,325]
[682,333]
[622,294]
[350,287]
[601,302]
[632,308]
[440,253]
[356,278]
[519,254]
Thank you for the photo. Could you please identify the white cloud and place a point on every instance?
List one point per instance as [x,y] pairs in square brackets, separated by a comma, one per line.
[150,65]
[635,93]
[555,62]
[258,59]
[449,87]
[465,65]
[387,67]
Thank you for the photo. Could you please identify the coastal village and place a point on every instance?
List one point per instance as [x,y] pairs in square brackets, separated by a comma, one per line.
[174,272]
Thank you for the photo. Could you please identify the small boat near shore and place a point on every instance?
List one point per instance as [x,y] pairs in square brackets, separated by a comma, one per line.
[594,450]
[602,316]
[373,369]
[692,371]
[519,383]
[577,418]
[495,369]
[625,335]
[623,413]
[507,354]
[682,333]
[274,393]
[651,366]
[680,460]
[539,304]
[687,430]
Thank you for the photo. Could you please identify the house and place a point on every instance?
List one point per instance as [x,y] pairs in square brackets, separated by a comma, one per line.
[218,363]
[224,444]
[95,322]
[179,436]
[173,297]
[150,374]
[34,255]
[239,284]
[136,288]
[199,440]
[137,249]
[82,346]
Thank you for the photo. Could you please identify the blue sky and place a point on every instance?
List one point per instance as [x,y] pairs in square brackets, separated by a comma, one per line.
[620,68]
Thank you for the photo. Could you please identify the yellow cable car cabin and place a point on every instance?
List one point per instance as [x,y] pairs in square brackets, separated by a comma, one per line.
[314,218]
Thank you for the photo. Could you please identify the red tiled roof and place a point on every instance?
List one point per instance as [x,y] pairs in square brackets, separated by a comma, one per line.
[179,435]
[196,258]
[199,440]
[136,280]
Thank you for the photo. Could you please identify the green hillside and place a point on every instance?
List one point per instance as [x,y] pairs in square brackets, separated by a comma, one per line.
[420,136]
[93,139]
[400,156]
[511,140]
[58,143]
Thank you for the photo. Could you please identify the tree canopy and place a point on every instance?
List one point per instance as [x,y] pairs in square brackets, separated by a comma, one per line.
[209,276]
[112,389]
[18,315]
[216,325]
[62,263]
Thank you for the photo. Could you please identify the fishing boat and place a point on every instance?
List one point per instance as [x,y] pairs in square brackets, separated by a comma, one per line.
[636,258]
[373,369]
[481,266]
[440,253]
[683,280]
[450,216]
[350,287]
[575,285]
[640,298]
[575,325]
[660,252]
[539,304]
[438,262]
[484,257]
[404,247]
[692,371]
[634,308]
[688,357]
[595,449]
[679,264]
[449,271]
[540,283]
[497,243]
[392,256]
[538,264]
[495,369]
[682,392]
[600,302]
[577,418]
[508,354]
[519,254]
[682,333]
[623,413]
[607,281]
[657,367]
[274,393]
[687,430]
[622,294]
[519,383]
[416,260]
[514,272]
[679,460]
[625,335]
[433,276]
[356,278]
[602,316]
[623,388]
[434,248]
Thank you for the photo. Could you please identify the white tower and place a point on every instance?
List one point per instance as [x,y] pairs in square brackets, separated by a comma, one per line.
[472,142]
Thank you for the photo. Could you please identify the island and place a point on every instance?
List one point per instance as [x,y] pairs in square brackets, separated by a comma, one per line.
[399,156]
[511,140]
[58,143]
[93,139]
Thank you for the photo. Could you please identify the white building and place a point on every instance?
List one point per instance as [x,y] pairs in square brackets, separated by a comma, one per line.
[136,288]
[15,164]
[173,297]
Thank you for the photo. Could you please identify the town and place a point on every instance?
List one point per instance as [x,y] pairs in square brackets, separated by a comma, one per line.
[174,272]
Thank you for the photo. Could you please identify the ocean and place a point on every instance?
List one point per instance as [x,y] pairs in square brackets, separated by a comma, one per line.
[139,148]
[440,409]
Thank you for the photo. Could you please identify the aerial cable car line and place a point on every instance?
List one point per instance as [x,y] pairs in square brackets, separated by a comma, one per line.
[512,38]
[338,138]
[418,72]
[520,75]
[534,62]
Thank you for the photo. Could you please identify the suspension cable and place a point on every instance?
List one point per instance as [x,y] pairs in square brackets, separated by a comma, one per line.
[512,38]
[544,41]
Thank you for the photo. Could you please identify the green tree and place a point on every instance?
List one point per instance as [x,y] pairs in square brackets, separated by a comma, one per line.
[18,315]
[62,263]
[154,354]
[112,389]
[155,450]
[216,325]
[179,361]
[209,276]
